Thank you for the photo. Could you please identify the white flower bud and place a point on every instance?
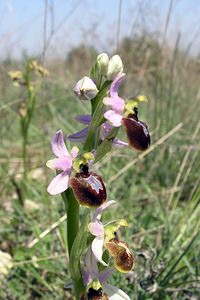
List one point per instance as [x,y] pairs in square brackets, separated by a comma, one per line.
[85,89]
[115,67]
[102,63]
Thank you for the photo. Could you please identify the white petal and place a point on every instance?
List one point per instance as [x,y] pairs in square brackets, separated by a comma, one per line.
[114,293]
[97,249]
[62,163]
[117,104]
[59,184]
[113,117]
[96,228]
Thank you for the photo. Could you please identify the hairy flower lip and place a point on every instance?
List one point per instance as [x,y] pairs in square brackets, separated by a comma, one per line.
[124,259]
[89,189]
[96,294]
[137,133]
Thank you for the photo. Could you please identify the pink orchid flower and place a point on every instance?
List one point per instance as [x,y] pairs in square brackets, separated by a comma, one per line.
[96,228]
[63,162]
[90,272]
[116,104]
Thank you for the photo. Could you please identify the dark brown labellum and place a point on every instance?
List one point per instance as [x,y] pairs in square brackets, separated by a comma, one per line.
[137,133]
[89,189]
[96,294]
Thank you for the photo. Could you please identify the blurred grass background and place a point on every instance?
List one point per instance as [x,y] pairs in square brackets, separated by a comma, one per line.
[158,192]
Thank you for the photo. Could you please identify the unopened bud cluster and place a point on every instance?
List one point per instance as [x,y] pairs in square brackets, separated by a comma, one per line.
[109,68]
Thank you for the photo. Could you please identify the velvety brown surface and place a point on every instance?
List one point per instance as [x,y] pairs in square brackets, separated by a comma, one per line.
[137,133]
[89,189]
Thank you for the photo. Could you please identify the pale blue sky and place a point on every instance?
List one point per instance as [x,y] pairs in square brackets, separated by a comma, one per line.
[92,22]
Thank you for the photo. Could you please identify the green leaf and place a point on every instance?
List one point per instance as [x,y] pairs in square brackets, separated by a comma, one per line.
[93,71]
[103,149]
[79,245]
[168,275]
[106,145]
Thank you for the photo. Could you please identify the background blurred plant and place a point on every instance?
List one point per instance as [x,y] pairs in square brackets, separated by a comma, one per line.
[28,81]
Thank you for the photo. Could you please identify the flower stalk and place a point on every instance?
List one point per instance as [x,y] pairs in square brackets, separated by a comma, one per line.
[78,247]
[72,212]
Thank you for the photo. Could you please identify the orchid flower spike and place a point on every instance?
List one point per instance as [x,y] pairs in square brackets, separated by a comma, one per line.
[63,162]
[115,103]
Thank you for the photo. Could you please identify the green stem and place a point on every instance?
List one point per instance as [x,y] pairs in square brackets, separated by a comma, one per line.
[24,155]
[24,160]
[79,245]
[72,211]
[25,121]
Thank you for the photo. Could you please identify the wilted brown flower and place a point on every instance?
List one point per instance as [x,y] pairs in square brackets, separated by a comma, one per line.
[124,259]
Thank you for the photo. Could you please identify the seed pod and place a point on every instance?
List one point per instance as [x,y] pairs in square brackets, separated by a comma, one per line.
[137,132]
[124,259]
[88,188]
